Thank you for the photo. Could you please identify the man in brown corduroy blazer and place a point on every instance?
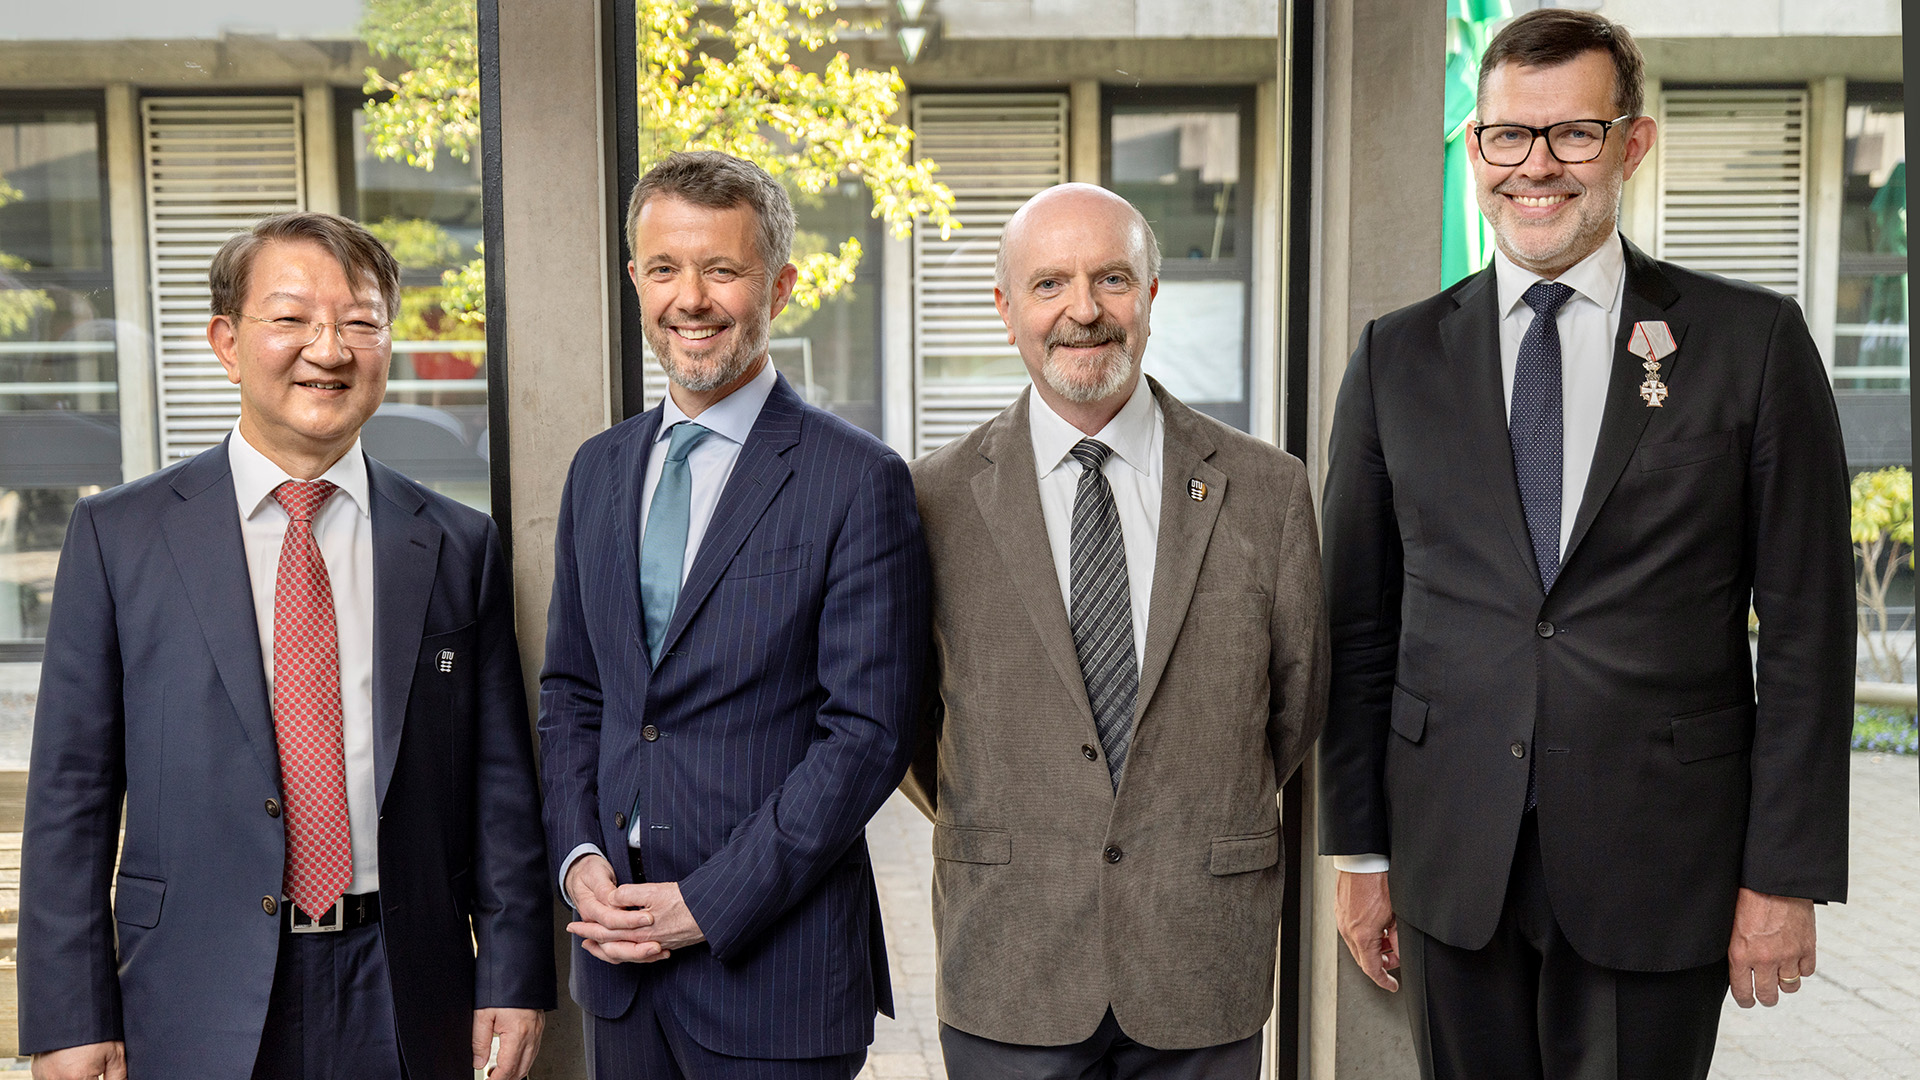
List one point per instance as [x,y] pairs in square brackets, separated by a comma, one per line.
[1132,659]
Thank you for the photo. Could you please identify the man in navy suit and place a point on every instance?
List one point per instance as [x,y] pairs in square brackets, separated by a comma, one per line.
[735,652]
[298,668]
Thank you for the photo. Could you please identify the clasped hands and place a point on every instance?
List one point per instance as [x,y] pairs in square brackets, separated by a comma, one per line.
[1771,949]
[627,924]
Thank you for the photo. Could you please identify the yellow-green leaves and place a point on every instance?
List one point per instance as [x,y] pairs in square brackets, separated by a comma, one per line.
[747,77]
[1883,538]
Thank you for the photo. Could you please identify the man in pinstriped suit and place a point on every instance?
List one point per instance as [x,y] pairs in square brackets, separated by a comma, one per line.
[735,653]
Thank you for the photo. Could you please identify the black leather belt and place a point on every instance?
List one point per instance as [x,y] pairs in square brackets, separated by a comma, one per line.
[351,912]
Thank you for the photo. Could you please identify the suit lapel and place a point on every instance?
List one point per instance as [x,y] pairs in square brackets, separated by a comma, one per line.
[626,483]
[1186,526]
[1647,296]
[1471,338]
[406,554]
[1007,491]
[203,533]
[757,477]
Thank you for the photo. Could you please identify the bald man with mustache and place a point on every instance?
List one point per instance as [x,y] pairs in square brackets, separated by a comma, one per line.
[1131,660]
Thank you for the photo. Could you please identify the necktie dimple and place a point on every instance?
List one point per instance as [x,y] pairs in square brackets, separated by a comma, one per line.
[306,708]
[1102,608]
[1536,428]
[663,551]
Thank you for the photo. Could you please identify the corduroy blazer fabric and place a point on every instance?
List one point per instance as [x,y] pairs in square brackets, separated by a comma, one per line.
[1054,896]
[154,688]
[781,716]
[1663,784]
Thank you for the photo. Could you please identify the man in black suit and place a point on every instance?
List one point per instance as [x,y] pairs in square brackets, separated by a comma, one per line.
[1554,492]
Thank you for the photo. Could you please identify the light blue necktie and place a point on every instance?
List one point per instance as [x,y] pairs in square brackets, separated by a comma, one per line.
[663,551]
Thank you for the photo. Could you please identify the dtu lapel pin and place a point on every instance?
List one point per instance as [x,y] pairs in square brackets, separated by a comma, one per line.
[1652,342]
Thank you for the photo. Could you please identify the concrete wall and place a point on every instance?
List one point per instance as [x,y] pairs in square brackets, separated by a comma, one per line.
[1754,18]
[1377,167]
[1107,18]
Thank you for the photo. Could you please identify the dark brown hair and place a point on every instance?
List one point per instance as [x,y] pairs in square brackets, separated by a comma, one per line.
[719,181]
[360,254]
[1547,37]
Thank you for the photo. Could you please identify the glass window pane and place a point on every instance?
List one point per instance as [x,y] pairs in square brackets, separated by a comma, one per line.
[59,408]
[433,425]
[832,355]
[1182,170]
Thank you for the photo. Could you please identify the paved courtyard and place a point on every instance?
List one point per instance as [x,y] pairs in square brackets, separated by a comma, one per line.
[1858,1018]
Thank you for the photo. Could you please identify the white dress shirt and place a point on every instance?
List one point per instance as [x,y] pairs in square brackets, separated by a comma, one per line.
[1588,324]
[709,466]
[344,529]
[1133,473]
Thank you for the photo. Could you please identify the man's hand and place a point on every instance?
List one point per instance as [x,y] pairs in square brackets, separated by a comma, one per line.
[519,1031]
[108,1059]
[1364,913]
[627,923]
[1772,948]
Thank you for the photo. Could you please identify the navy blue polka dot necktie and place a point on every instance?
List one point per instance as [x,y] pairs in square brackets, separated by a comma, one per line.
[1535,426]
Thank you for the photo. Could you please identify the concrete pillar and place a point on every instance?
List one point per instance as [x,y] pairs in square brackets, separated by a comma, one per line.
[132,311]
[1640,199]
[1377,171]
[323,156]
[1826,189]
[1083,131]
[557,248]
[1268,285]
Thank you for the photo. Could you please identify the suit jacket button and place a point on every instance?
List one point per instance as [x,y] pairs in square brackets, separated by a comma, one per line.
[269,905]
[1519,749]
[1090,753]
[1544,629]
[650,733]
[619,821]
[273,807]
[1113,854]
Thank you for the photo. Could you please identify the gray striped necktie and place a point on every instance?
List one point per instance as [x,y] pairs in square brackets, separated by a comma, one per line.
[1102,609]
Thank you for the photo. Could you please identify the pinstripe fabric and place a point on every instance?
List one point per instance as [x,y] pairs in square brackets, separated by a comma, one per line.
[648,1043]
[783,706]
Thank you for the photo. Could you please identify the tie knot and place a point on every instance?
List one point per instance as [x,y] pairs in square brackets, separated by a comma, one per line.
[303,498]
[1092,454]
[686,435]
[1545,297]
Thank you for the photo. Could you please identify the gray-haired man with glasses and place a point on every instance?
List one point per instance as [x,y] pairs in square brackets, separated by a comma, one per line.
[1554,493]
[298,668]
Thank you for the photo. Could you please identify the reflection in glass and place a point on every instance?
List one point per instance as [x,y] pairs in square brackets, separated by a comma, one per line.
[433,425]
[1182,170]
[59,418]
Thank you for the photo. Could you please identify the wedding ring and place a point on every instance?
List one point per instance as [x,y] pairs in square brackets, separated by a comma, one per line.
[1789,978]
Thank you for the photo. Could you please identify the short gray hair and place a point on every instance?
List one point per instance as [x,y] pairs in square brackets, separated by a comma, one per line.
[719,181]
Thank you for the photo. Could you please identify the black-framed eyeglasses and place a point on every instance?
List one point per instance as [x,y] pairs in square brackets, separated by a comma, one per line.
[288,332]
[1571,142]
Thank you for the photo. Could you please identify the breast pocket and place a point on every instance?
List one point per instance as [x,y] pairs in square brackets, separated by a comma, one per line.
[774,561]
[1682,452]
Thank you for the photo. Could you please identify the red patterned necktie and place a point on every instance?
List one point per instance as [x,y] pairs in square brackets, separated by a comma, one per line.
[306,709]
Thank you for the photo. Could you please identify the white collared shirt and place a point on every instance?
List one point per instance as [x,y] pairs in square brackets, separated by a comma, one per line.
[1133,473]
[344,529]
[709,464]
[1588,323]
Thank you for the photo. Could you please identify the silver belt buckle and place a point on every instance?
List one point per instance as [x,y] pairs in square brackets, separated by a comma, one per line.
[330,920]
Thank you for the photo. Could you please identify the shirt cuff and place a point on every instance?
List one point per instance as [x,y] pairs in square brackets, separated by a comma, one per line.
[574,857]
[1360,864]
